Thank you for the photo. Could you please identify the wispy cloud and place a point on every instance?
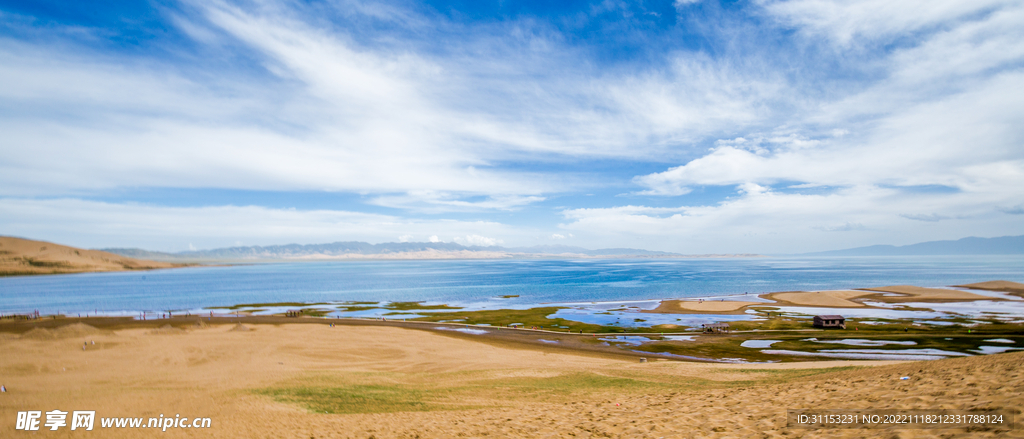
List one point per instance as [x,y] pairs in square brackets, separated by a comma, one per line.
[759,219]
[437,202]
[99,224]
[870,22]
[1016,210]
[931,218]
[477,240]
[846,227]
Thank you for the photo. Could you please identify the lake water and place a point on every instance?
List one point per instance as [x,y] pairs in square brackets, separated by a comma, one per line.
[480,283]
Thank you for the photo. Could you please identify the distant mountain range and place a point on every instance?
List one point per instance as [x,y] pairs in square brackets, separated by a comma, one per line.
[392,250]
[1003,245]
[1006,245]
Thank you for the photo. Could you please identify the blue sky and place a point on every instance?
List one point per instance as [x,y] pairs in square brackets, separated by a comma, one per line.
[686,126]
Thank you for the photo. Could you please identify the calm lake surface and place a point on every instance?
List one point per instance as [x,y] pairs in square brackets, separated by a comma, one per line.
[479,283]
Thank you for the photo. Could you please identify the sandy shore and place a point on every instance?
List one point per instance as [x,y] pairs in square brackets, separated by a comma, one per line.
[276,381]
[1014,288]
[703,307]
[910,293]
[831,299]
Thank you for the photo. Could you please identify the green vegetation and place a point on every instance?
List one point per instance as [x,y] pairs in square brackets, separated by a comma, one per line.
[711,347]
[581,383]
[354,398]
[525,317]
[395,392]
[410,306]
[720,346]
[509,296]
[356,308]
[267,305]
[964,334]
[315,312]
[52,264]
[956,344]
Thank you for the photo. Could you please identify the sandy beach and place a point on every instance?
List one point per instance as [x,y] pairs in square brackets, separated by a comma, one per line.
[703,306]
[1014,288]
[832,299]
[278,380]
[910,293]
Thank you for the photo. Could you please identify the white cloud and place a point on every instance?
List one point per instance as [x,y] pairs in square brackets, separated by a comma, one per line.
[923,217]
[438,202]
[850,21]
[847,227]
[434,238]
[557,236]
[765,221]
[683,3]
[477,240]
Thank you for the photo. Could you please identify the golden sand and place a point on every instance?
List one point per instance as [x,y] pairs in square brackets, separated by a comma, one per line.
[910,293]
[470,388]
[835,299]
[1005,286]
[831,299]
[698,307]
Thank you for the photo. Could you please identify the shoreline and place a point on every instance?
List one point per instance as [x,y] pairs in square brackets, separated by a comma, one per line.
[899,322]
[662,342]
[870,298]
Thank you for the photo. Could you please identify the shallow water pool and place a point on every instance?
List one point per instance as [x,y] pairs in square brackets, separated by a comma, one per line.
[759,343]
[863,342]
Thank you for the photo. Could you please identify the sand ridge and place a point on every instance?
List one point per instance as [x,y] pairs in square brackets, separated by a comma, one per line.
[1005,286]
[910,293]
[23,256]
[703,307]
[831,299]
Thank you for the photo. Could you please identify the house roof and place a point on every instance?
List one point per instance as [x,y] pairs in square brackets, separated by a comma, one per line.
[831,317]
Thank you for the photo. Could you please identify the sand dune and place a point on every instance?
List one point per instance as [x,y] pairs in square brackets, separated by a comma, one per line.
[1006,286]
[834,299]
[22,256]
[698,307]
[74,330]
[276,381]
[910,293]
